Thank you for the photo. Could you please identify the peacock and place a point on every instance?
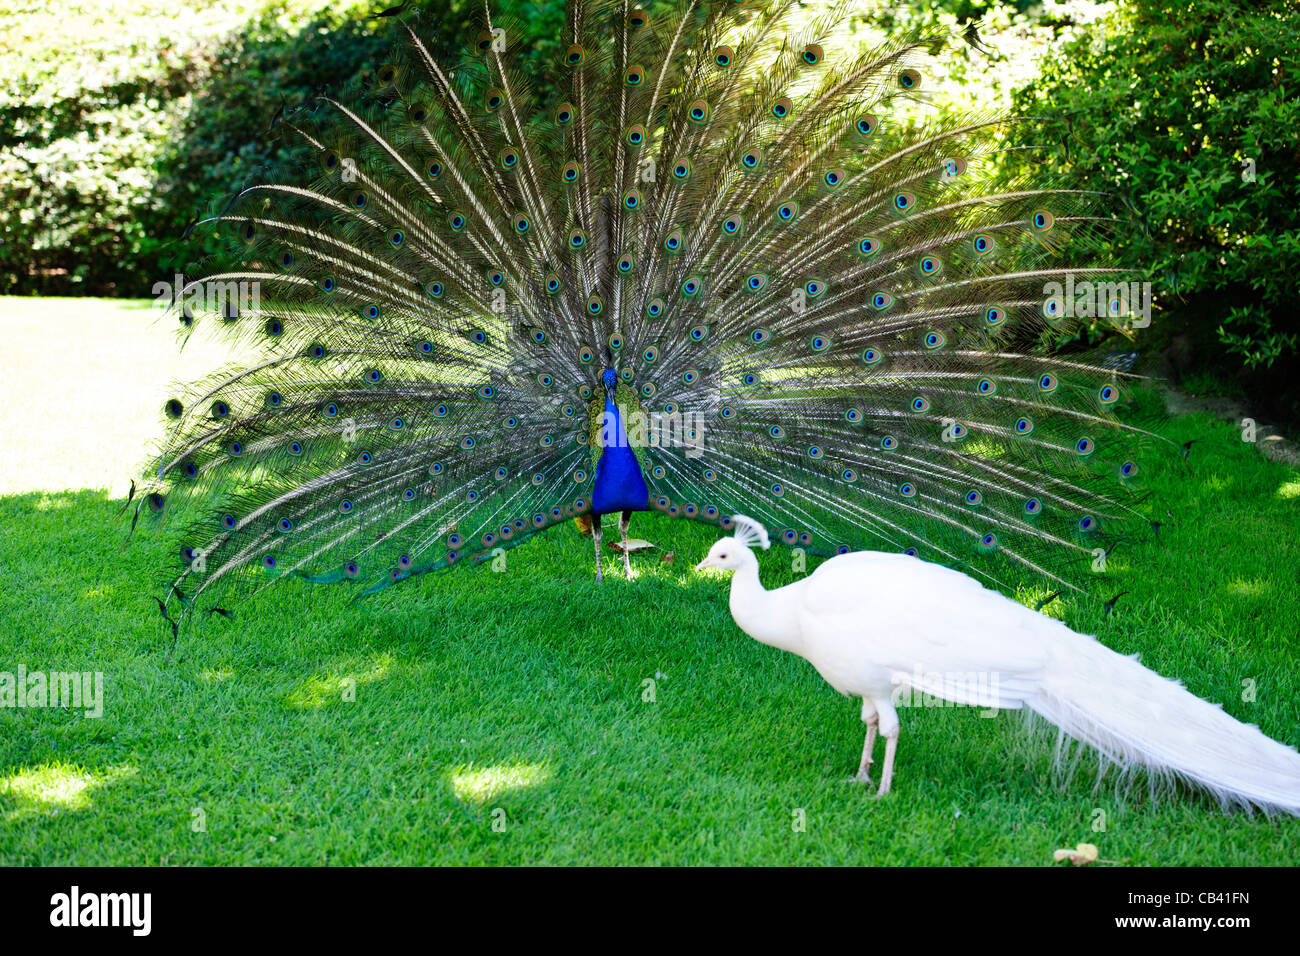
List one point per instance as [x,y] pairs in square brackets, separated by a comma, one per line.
[857,619]
[734,264]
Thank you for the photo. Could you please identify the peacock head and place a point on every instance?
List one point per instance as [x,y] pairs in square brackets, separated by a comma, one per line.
[610,379]
[732,554]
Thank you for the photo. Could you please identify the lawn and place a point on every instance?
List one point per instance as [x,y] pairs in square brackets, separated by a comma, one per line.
[481,717]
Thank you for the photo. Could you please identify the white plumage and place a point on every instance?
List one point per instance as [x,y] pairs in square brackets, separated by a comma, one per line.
[876,624]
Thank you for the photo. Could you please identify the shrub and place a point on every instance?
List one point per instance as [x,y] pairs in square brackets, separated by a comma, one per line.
[129,125]
[1188,110]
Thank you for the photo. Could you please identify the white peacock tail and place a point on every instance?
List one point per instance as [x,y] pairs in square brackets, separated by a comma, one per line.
[819,313]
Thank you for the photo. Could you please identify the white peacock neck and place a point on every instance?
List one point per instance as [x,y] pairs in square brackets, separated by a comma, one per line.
[769,617]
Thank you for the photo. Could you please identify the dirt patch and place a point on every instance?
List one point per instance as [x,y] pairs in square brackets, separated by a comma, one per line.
[1271,443]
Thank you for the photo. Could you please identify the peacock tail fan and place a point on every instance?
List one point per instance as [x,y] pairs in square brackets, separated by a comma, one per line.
[822,312]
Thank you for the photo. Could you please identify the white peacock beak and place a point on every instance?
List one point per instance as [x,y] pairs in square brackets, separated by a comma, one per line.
[703,564]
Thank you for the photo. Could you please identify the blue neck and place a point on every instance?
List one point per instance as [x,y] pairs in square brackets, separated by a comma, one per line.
[612,416]
[619,485]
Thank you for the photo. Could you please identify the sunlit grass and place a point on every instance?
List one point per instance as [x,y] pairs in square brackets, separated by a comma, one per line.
[94,428]
[320,690]
[488,783]
[1255,588]
[53,788]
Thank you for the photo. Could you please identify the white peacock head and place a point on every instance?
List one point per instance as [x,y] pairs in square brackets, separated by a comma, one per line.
[729,554]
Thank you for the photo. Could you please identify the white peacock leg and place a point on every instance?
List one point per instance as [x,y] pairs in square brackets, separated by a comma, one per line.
[624,521]
[595,536]
[889,728]
[872,719]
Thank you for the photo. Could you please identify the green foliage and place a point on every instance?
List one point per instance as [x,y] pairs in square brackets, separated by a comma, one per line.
[1188,111]
[86,99]
[125,124]
[1259,344]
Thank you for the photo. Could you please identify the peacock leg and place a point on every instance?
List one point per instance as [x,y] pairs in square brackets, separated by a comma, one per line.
[887,773]
[624,521]
[872,719]
[595,536]
[889,728]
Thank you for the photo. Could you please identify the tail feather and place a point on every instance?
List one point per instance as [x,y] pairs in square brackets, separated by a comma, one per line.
[1139,719]
[839,316]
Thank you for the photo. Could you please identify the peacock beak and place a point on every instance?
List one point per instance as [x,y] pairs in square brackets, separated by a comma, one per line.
[703,564]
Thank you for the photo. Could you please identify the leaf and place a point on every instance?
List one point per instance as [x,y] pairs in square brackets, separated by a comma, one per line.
[1081,855]
[633,545]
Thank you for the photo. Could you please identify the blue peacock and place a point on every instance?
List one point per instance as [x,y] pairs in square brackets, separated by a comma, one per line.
[729,270]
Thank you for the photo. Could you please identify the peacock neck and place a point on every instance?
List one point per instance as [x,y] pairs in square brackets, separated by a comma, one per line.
[619,484]
[769,617]
[614,421]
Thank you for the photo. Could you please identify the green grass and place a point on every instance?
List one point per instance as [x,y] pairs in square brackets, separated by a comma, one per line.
[522,691]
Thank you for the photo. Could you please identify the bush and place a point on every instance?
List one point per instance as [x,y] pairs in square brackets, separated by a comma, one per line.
[128,126]
[1187,108]
[86,100]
